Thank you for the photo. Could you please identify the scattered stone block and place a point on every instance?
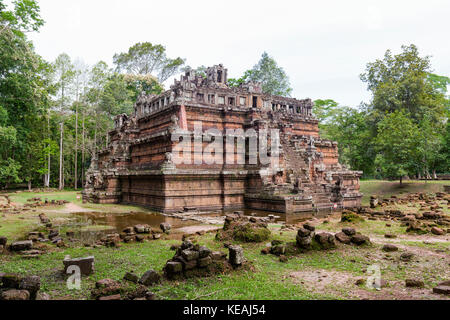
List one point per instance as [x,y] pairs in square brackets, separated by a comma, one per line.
[86,264]
[414,283]
[14,294]
[165,227]
[131,276]
[359,239]
[442,290]
[437,231]
[150,278]
[236,255]
[349,231]
[389,248]
[21,245]
[342,237]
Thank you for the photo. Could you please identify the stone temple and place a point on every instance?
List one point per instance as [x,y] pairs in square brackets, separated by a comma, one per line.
[138,167]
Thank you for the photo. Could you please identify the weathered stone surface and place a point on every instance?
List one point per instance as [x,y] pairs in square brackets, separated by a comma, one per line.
[32,284]
[278,250]
[442,290]
[236,255]
[173,267]
[406,256]
[165,227]
[204,262]
[110,298]
[218,255]
[141,228]
[21,245]
[190,255]
[149,278]
[349,231]
[359,239]
[302,232]
[3,241]
[437,231]
[414,283]
[15,294]
[326,240]
[204,252]
[131,276]
[390,248]
[342,237]
[106,283]
[309,226]
[86,264]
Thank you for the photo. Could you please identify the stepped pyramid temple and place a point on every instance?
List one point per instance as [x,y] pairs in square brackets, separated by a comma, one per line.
[302,175]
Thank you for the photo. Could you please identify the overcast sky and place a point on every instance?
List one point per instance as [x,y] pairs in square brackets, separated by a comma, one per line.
[322,45]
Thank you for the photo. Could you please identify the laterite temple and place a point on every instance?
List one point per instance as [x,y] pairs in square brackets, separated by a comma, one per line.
[138,168]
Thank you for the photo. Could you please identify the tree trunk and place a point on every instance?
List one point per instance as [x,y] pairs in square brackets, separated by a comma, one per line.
[401,180]
[434,174]
[82,155]
[61,176]
[47,176]
[29,185]
[76,147]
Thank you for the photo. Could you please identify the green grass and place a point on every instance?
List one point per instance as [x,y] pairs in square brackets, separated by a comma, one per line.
[22,197]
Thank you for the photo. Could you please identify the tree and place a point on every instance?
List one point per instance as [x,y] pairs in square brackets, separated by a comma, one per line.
[401,82]
[397,145]
[24,18]
[146,58]
[272,77]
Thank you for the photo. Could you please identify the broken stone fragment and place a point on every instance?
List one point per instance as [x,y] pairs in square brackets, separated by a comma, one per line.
[359,239]
[342,237]
[437,231]
[131,276]
[173,267]
[3,241]
[165,227]
[110,298]
[302,232]
[204,252]
[15,294]
[326,240]
[21,245]
[278,250]
[414,283]
[86,264]
[218,255]
[442,290]
[406,256]
[141,228]
[204,262]
[349,231]
[309,226]
[149,278]
[236,255]
[389,248]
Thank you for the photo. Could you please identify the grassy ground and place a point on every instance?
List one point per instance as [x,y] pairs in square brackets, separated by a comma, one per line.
[313,275]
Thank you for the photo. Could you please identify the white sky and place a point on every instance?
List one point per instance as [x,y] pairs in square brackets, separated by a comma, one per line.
[322,45]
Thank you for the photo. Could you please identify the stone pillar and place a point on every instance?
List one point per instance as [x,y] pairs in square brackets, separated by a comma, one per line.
[182,118]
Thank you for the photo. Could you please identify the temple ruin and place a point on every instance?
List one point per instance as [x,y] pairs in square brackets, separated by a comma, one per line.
[138,167]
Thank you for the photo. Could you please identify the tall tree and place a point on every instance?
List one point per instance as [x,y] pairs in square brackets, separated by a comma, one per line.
[273,78]
[146,58]
[397,145]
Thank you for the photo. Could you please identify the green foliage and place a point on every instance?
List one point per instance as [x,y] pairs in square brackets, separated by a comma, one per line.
[324,110]
[272,77]
[145,59]
[24,18]
[9,172]
[397,144]
[348,216]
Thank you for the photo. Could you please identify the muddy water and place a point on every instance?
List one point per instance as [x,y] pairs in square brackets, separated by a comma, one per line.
[91,226]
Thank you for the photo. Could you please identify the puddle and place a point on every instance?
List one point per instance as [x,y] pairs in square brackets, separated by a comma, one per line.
[88,227]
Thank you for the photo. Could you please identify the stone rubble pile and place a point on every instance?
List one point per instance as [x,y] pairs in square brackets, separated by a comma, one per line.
[17,287]
[242,228]
[190,259]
